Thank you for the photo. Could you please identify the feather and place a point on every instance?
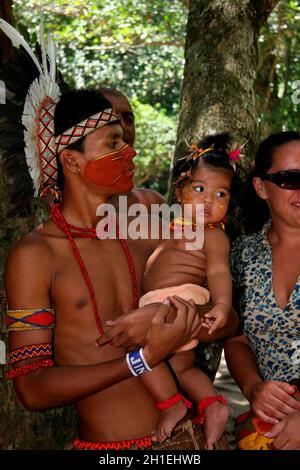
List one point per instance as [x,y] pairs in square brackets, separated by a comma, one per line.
[51,52]
[18,40]
[43,49]
[30,79]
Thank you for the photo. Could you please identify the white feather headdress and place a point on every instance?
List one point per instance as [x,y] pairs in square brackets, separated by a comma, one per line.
[43,91]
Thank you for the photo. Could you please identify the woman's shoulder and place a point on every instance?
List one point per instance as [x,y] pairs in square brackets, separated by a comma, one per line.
[247,246]
[249,253]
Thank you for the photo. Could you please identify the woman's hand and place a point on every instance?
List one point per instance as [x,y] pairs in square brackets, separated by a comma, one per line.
[272,400]
[286,433]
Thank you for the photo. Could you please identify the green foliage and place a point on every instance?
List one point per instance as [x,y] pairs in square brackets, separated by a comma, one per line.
[135,46]
[156,134]
[279,70]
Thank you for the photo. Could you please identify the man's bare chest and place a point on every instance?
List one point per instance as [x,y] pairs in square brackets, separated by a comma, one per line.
[104,268]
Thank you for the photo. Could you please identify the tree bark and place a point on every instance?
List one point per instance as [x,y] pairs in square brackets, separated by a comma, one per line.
[5,43]
[221,52]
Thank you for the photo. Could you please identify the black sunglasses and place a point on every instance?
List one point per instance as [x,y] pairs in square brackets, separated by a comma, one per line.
[285,179]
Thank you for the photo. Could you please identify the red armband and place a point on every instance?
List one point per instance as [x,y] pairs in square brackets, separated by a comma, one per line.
[23,370]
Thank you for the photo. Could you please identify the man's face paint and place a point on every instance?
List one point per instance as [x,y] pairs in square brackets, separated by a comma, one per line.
[113,169]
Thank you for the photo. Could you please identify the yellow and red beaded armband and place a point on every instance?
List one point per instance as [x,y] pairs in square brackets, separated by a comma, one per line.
[32,319]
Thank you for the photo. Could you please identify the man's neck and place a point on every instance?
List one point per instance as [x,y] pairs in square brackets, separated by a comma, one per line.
[79,208]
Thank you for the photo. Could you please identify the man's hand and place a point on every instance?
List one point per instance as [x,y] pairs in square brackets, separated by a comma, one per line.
[164,337]
[286,433]
[129,331]
[272,400]
[216,318]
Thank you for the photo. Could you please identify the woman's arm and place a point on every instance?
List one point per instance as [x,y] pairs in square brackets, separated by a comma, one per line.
[270,400]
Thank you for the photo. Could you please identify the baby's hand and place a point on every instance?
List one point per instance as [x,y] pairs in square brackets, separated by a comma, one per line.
[216,318]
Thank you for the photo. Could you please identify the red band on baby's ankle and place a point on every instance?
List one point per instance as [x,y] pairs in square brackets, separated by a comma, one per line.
[206,402]
[164,405]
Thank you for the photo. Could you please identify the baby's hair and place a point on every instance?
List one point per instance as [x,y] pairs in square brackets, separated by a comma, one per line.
[211,150]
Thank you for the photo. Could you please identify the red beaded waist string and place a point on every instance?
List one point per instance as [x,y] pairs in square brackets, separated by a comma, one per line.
[72,231]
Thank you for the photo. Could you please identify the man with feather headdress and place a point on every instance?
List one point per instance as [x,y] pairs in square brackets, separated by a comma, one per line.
[62,283]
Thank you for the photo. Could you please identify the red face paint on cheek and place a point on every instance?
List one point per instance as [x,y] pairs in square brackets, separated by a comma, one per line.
[112,170]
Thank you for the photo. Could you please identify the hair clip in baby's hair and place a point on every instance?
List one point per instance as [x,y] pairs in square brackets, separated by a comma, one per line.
[198,152]
[235,154]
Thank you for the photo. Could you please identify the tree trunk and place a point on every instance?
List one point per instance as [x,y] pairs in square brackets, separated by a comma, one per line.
[218,92]
[5,44]
[221,53]
[20,429]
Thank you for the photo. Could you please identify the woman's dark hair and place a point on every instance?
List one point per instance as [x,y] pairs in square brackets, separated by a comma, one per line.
[256,211]
[73,107]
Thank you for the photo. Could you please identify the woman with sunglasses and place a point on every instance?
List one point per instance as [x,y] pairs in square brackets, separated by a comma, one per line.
[265,359]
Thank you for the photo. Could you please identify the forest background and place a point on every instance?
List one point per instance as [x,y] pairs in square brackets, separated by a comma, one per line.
[137,46]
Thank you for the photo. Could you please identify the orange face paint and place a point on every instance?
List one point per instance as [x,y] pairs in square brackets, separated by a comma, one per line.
[114,169]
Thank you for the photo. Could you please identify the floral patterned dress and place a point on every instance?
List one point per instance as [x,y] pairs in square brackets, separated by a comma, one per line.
[273,332]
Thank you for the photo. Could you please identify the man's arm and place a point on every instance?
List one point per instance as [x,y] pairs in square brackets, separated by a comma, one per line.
[28,280]
[130,330]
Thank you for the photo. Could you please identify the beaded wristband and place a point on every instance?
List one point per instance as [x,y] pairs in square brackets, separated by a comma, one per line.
[18,371]
[137,363]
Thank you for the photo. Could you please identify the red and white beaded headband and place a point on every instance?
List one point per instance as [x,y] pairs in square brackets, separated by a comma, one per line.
[84,128]
[49,145]
[41,145]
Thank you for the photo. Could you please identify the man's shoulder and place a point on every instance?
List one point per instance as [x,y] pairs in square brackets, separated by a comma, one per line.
[33,246]
[148,196]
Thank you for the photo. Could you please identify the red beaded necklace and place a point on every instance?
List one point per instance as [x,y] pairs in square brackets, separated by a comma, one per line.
[72,232]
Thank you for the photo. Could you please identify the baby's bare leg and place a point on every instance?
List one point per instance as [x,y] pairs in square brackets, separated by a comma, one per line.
[197,386]
[162,386]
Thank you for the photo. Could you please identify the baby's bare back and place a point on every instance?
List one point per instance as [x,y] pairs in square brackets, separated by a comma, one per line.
[172,265]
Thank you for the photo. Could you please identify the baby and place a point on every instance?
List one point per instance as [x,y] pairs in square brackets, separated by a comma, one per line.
[203,178]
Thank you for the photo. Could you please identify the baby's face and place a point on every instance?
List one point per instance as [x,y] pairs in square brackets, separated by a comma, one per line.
[211,187]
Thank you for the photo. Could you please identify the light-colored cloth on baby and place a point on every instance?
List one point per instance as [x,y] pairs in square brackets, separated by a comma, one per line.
[197,293]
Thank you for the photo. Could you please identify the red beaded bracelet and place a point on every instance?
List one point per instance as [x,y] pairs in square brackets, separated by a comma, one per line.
[18,371]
